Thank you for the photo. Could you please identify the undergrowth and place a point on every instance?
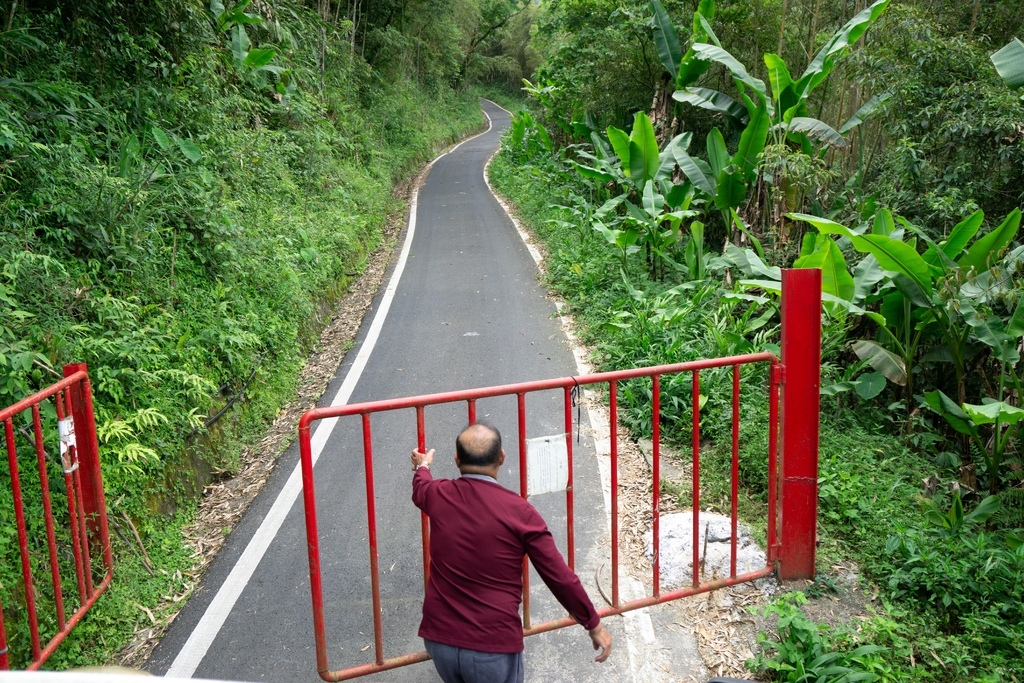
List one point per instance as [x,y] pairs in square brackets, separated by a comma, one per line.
[182,216]
[947,608]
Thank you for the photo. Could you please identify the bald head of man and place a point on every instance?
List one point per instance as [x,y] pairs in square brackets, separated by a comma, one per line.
[478,450]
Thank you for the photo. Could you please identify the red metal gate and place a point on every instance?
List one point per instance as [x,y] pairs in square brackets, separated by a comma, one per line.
[69,404]
[790,545]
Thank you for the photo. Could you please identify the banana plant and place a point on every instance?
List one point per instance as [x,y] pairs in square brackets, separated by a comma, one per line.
[786,104]
[1006,421]
[1009,63]
[939,292]
[726,179]
[654,206]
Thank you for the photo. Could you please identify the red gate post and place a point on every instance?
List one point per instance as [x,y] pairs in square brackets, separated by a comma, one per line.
[87,448]
[801,357]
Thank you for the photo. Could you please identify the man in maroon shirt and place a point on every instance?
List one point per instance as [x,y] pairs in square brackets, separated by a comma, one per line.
[479,533]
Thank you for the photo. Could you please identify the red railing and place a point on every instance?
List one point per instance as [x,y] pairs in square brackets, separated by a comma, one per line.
[792,512]
[86,519]
[566,385]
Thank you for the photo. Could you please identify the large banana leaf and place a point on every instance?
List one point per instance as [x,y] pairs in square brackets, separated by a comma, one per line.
[593,173]
[752,142]
[653,201]
[835,277]
[1009,62]
[601,146]
[698,172]
[781,82]
[620,143]
[990,332]
[825,60]
[667,156]
[718,157]
[712,100]
[738,71]
[883,223]
[1015,328]
[643,151]
[947,408]
[778,73]
[691,67]
[990,412]
[864,112]
[985,248]
[731,190]
[705,13]
[896,256]
[665,39]
[824,225]
[814,129]
[881,359]
[958,238]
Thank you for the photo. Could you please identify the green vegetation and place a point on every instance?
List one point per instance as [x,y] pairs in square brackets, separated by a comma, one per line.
[894,162]
[186,188]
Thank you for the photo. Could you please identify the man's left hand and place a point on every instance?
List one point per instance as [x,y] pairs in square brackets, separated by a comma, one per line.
[422,459]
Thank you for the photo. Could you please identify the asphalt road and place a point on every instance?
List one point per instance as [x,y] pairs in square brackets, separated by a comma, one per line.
[467,312]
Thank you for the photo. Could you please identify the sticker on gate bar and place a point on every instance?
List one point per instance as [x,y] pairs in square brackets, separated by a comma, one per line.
[547,465]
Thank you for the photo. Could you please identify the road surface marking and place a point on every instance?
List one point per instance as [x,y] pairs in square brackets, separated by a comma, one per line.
[198,644]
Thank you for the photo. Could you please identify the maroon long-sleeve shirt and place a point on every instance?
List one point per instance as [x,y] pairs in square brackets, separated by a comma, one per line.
[479,533]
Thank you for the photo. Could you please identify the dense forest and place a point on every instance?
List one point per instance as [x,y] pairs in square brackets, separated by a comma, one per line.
[187,187]
[675,155]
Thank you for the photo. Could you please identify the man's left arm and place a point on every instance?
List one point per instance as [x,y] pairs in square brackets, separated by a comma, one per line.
[562,581]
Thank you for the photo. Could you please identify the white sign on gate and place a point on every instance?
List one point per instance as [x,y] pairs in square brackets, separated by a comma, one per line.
[547,465]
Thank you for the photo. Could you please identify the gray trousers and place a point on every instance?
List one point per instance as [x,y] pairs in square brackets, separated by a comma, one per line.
[458,665]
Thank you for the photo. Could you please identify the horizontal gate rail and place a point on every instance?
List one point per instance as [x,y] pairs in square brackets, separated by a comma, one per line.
[567,385]
[86,519]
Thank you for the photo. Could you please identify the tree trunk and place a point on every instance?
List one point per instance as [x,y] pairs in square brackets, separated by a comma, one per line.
[782,28]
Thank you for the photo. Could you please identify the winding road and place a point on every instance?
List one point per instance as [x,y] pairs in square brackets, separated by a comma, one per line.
[463,309]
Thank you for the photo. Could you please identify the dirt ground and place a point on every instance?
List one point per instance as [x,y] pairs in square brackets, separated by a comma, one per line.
[726,622]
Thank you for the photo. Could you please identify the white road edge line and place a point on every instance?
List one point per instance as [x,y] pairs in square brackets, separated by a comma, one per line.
[198,644]
[639,626]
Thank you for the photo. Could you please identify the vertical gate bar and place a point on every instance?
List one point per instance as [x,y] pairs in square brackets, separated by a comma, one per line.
[801,354]
[656,488]
[696,477]
[773,461]
[76,482]
[99,510]
[51,538]
[735,466]
[371,521]
[570,518]
[4,660]
[69,488]
[471,409]
[613,423]
[521,409]
[313,549]
[83,534]
[421,445]
[19,520]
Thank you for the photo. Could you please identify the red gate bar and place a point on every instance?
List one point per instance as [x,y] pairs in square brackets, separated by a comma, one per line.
[801,354]
[87,518]
[611,379]
[613,405]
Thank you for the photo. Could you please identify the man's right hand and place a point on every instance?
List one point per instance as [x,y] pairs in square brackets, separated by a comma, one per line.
[422,459]
[602,640]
